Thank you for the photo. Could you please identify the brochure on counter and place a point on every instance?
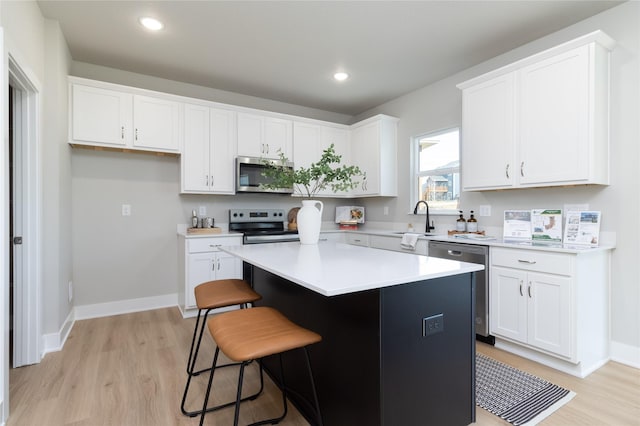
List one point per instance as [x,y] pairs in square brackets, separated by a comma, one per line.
[581,228]
[517,225]
[546,225]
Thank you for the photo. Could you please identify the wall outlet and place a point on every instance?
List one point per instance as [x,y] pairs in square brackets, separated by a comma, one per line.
[485,210]
[126,210]
[385,211]
[70,291]
[202,211]
[433,324]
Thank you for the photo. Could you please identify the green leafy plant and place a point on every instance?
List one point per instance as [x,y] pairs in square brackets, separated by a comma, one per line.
[326,173]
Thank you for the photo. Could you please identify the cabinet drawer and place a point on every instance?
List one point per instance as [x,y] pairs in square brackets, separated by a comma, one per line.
[358,239]
[200,245]
[532,260]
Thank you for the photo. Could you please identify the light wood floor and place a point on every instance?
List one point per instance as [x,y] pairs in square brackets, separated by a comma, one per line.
[130,370]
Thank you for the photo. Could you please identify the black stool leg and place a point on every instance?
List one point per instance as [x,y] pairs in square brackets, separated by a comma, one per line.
[284,399]
[206,395]
[313,387]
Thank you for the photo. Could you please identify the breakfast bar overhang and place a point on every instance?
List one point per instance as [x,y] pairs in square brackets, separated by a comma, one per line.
[398,333]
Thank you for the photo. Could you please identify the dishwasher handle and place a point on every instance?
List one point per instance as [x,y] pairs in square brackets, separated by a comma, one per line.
[456,253]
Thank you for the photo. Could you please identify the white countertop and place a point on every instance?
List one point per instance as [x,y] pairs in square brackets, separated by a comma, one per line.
[332,268]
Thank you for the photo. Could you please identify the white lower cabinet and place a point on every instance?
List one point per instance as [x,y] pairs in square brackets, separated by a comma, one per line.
[358,239]
[393,243]
[201,260]
[553,303]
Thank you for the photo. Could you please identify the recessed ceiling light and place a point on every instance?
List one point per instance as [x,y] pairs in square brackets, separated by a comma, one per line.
[151,23]
[341,76]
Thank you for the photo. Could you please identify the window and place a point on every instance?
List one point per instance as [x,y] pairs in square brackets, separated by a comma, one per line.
[436,176]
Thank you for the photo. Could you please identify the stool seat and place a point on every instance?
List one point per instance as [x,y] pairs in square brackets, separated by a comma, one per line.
[222,293]
[258,332]
[252,334]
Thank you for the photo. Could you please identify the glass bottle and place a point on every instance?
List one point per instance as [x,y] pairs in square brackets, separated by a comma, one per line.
[472,223]
[461,224]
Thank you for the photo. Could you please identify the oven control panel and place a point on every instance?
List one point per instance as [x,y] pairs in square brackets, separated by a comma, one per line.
[256,215]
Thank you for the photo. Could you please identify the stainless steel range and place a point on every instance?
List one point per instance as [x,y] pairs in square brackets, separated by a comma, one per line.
[261,225]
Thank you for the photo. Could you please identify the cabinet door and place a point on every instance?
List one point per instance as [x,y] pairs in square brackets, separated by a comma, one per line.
[101,116]
[550,313]
[278,137]
[227,266]
[200,269]
[195,155]
[306,146]
[340,140]
[488,137]
[156,124]
[250,135]
[554,119]
[508,303]
[223,151]
[365,153]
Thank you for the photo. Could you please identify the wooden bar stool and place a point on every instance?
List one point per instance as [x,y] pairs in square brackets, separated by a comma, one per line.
[213,295]
[252,334]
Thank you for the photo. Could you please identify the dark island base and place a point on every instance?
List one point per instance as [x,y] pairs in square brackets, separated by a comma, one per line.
[374,366]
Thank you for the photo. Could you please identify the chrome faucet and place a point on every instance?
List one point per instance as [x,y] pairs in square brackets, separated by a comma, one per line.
[427,227]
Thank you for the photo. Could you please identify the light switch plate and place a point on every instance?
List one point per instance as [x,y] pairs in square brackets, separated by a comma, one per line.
[126,210]
[202,211]
[485,210]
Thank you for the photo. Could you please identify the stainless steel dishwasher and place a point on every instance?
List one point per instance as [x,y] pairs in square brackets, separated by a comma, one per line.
[471,253]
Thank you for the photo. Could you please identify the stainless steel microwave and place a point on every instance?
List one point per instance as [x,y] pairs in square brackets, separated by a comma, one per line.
[249,177]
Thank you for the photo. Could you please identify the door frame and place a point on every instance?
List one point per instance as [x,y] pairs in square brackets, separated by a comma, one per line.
[27,342]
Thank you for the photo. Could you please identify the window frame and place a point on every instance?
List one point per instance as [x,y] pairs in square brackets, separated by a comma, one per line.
[414,170]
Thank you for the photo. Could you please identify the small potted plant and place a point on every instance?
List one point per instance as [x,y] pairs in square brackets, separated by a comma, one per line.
[308,181]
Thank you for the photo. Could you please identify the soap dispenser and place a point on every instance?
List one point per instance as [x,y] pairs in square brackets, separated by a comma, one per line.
[472,223]
[461,224]
[194,219]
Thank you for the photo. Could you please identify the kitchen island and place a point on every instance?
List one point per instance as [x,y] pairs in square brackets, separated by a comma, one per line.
[398,342]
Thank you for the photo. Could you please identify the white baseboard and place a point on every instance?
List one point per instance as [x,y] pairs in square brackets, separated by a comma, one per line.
[625,354]
[125,306]
[55,341]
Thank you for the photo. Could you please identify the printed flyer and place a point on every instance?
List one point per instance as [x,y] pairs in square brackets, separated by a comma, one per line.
[583,228]
[546,225]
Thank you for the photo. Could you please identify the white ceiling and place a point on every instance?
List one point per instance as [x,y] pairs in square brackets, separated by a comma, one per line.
[289,50]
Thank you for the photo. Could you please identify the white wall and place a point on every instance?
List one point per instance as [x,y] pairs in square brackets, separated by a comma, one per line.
[438,106]
[40,50]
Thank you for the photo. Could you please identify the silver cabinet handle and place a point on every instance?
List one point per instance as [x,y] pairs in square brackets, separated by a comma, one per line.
[529,290]
[206,180]
[218,264]
[136,134]
[122,132]
[528,262]
[506,171]
[521,294]
[522,169]
[267,148]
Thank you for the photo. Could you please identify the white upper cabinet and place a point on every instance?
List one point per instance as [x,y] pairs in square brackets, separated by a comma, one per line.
[263,136]
[309,142]
[542,121]
[373,149]
[209,152]
[102,116]
[156,124]
[488,122]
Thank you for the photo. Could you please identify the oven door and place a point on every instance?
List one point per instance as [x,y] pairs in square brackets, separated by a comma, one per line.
[263,238]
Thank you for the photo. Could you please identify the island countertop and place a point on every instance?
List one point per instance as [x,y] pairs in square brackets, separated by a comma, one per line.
[332,269]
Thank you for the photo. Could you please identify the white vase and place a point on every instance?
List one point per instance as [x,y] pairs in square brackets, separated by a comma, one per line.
[309,220]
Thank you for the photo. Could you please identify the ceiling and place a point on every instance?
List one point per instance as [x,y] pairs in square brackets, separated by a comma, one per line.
[289,50]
